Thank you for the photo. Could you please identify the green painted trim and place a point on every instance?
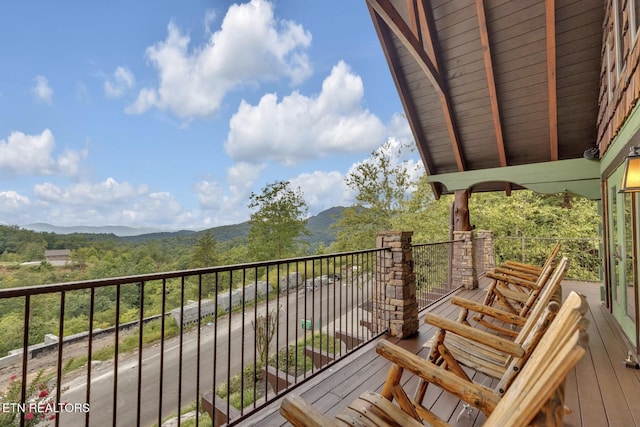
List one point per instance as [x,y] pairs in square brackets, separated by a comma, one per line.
[579,176]
[628,130]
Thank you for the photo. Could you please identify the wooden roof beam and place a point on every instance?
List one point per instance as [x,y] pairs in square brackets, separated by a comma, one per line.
[387,12]
[491,85]
[550,18]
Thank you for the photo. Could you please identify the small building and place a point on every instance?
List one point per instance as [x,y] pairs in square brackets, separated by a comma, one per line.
[58,257]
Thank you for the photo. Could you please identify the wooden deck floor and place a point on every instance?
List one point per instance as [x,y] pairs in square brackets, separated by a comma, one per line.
[600,391]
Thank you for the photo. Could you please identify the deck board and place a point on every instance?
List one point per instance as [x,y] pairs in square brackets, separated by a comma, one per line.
[600,391]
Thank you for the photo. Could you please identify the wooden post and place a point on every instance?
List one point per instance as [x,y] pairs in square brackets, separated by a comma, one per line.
[462,259]
[460,211]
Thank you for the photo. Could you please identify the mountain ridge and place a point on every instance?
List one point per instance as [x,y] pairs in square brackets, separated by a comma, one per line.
[319,227]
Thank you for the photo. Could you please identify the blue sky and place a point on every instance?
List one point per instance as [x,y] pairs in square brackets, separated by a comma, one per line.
[168,114]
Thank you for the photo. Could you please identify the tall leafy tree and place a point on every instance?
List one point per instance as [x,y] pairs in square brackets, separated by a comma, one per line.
[381,184]
[279,218]
[204,253]
[428,218]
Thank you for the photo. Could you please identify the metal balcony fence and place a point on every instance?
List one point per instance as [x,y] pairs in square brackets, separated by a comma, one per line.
[154,344]
[432,267]
[585,263]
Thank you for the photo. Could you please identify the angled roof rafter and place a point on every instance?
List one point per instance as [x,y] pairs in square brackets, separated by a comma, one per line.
[491,85]
[404,91]
[396,24]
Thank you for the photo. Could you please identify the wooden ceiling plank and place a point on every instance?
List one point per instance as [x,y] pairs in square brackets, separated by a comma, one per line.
[404,92]
[396,24]
[491,84]
[550,17]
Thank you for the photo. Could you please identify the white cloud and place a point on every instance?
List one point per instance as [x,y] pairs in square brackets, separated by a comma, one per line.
[121,81]
[156,208]
[299,128]
[12,202]
[33,154]
[109,203]
[323,190]
[229,203]
[398,127]
[210,16]
[42,91]
[250,46]
[210,194]
[87,194]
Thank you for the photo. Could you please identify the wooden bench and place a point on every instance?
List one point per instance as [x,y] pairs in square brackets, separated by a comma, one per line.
[530,399]
[217,409]
[318,357]
[277,379]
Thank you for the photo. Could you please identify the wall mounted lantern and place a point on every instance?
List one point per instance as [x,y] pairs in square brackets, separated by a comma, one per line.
[631,177]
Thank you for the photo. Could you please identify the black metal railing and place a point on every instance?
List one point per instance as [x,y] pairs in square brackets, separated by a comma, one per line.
[432,267]
[154,344]
[585,263]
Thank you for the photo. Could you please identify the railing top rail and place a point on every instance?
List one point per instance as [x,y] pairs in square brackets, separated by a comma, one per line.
[98,283]
[581,239]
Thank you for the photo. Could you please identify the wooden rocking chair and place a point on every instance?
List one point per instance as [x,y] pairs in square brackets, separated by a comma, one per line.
[514,295]
[532,398]
[514,285]
[456,345]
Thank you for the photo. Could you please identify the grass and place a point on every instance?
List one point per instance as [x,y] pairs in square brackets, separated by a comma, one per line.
[203,418]
[241,389]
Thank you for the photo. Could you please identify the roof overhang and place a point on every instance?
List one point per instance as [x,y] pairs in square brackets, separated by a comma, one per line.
[492,84]
[578,176]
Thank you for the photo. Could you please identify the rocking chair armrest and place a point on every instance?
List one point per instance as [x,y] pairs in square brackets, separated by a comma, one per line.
[526,268]
[496,313]
[302,414]
[512,280]
[477,395]
[473,334]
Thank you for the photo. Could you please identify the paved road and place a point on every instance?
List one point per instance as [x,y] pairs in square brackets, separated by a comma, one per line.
[320,305]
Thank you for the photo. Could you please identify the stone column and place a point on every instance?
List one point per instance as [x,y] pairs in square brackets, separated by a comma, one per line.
[396,304]
[487,261]
[463,271]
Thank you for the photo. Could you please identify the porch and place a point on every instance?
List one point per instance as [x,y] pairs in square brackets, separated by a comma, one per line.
[600,391]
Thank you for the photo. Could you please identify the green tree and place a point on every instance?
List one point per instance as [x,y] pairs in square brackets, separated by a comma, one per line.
[381,185]
[427,217]
[279,219]
[204,253]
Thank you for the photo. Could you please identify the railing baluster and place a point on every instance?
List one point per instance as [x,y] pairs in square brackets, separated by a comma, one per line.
[181,346]
[140,342]
[115,357]
[60,343]
[25,354]
[162,341]
[198,347]
[92,295]
[229,350]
